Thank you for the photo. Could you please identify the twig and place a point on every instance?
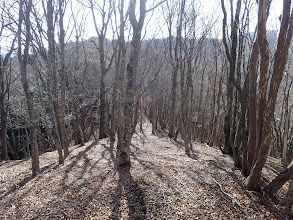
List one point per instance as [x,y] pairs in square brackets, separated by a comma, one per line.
[3,176]
[268,204]
[234,200]
[162,191]
[190,193]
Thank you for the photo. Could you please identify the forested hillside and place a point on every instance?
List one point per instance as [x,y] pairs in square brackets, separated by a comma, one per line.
[184,103]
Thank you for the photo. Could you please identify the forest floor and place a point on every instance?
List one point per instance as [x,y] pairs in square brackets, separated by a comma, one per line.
[162,183]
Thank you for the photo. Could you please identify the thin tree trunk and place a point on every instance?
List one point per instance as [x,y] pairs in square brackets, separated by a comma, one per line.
[113,119]
[53,73]
[3,92]
[23,60]
[64,141]
[102,129]
[4,153]
[141,117]
[213,107]
[27,143]
[202,126]
[136,115]
[179,122]
[175,66]
[44,113]
[217,118]
[73,102]
[252,108]
[120,71]
[231,55]
[154,109]
[285,136]
[173,105]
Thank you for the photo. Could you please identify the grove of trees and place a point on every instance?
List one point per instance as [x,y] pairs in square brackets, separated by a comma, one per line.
[59,87]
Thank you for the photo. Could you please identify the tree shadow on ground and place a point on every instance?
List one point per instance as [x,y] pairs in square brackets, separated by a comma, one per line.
[134,157]
[178,143]
[161,133]
[192,156]
[110,150]
[13,162]
[273,166]
[129,188]
[76,158]
[77,198]
[255,197]
[219,164]
[27,179]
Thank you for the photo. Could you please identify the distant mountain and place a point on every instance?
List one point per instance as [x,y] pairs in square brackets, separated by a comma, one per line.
[272,35]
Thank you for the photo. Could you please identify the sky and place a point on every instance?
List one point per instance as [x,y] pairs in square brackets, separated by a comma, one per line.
[153,19]
[209,9]
[214,7]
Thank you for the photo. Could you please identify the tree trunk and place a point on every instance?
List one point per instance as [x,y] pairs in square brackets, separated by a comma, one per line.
[285,137]
[154,109]
[113,119]
[136,115]
[4,154]
[23,60]
[141,117]
[265,120]
[289,197]
[52,70]
[175,67]
[64,141]
[179,122]
[4,91]
[173,105]
[120,71]
[282,178]
[216,129]
[102,129]
[73,102]
[203,119]
[252,108]
[213,107]
[132,70]
[239,138]
[231,55]
[44,113]
[27,143]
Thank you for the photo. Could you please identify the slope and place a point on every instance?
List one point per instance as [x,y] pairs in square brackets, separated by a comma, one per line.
[163,183]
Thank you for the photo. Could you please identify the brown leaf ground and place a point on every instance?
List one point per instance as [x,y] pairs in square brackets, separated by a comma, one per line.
[163,183]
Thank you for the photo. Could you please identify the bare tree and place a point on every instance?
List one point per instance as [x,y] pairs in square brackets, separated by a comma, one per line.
[266,103]
[231,56]
[248,161]
[174,53]
[132,70]
[52,71]
[62,71]
[105,14]
[120,64]
[5,80]
[24,16]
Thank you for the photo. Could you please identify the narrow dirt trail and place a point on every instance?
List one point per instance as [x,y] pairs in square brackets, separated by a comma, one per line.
[163,183]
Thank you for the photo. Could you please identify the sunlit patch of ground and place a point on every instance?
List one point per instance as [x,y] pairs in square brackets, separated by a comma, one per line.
[163,183]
